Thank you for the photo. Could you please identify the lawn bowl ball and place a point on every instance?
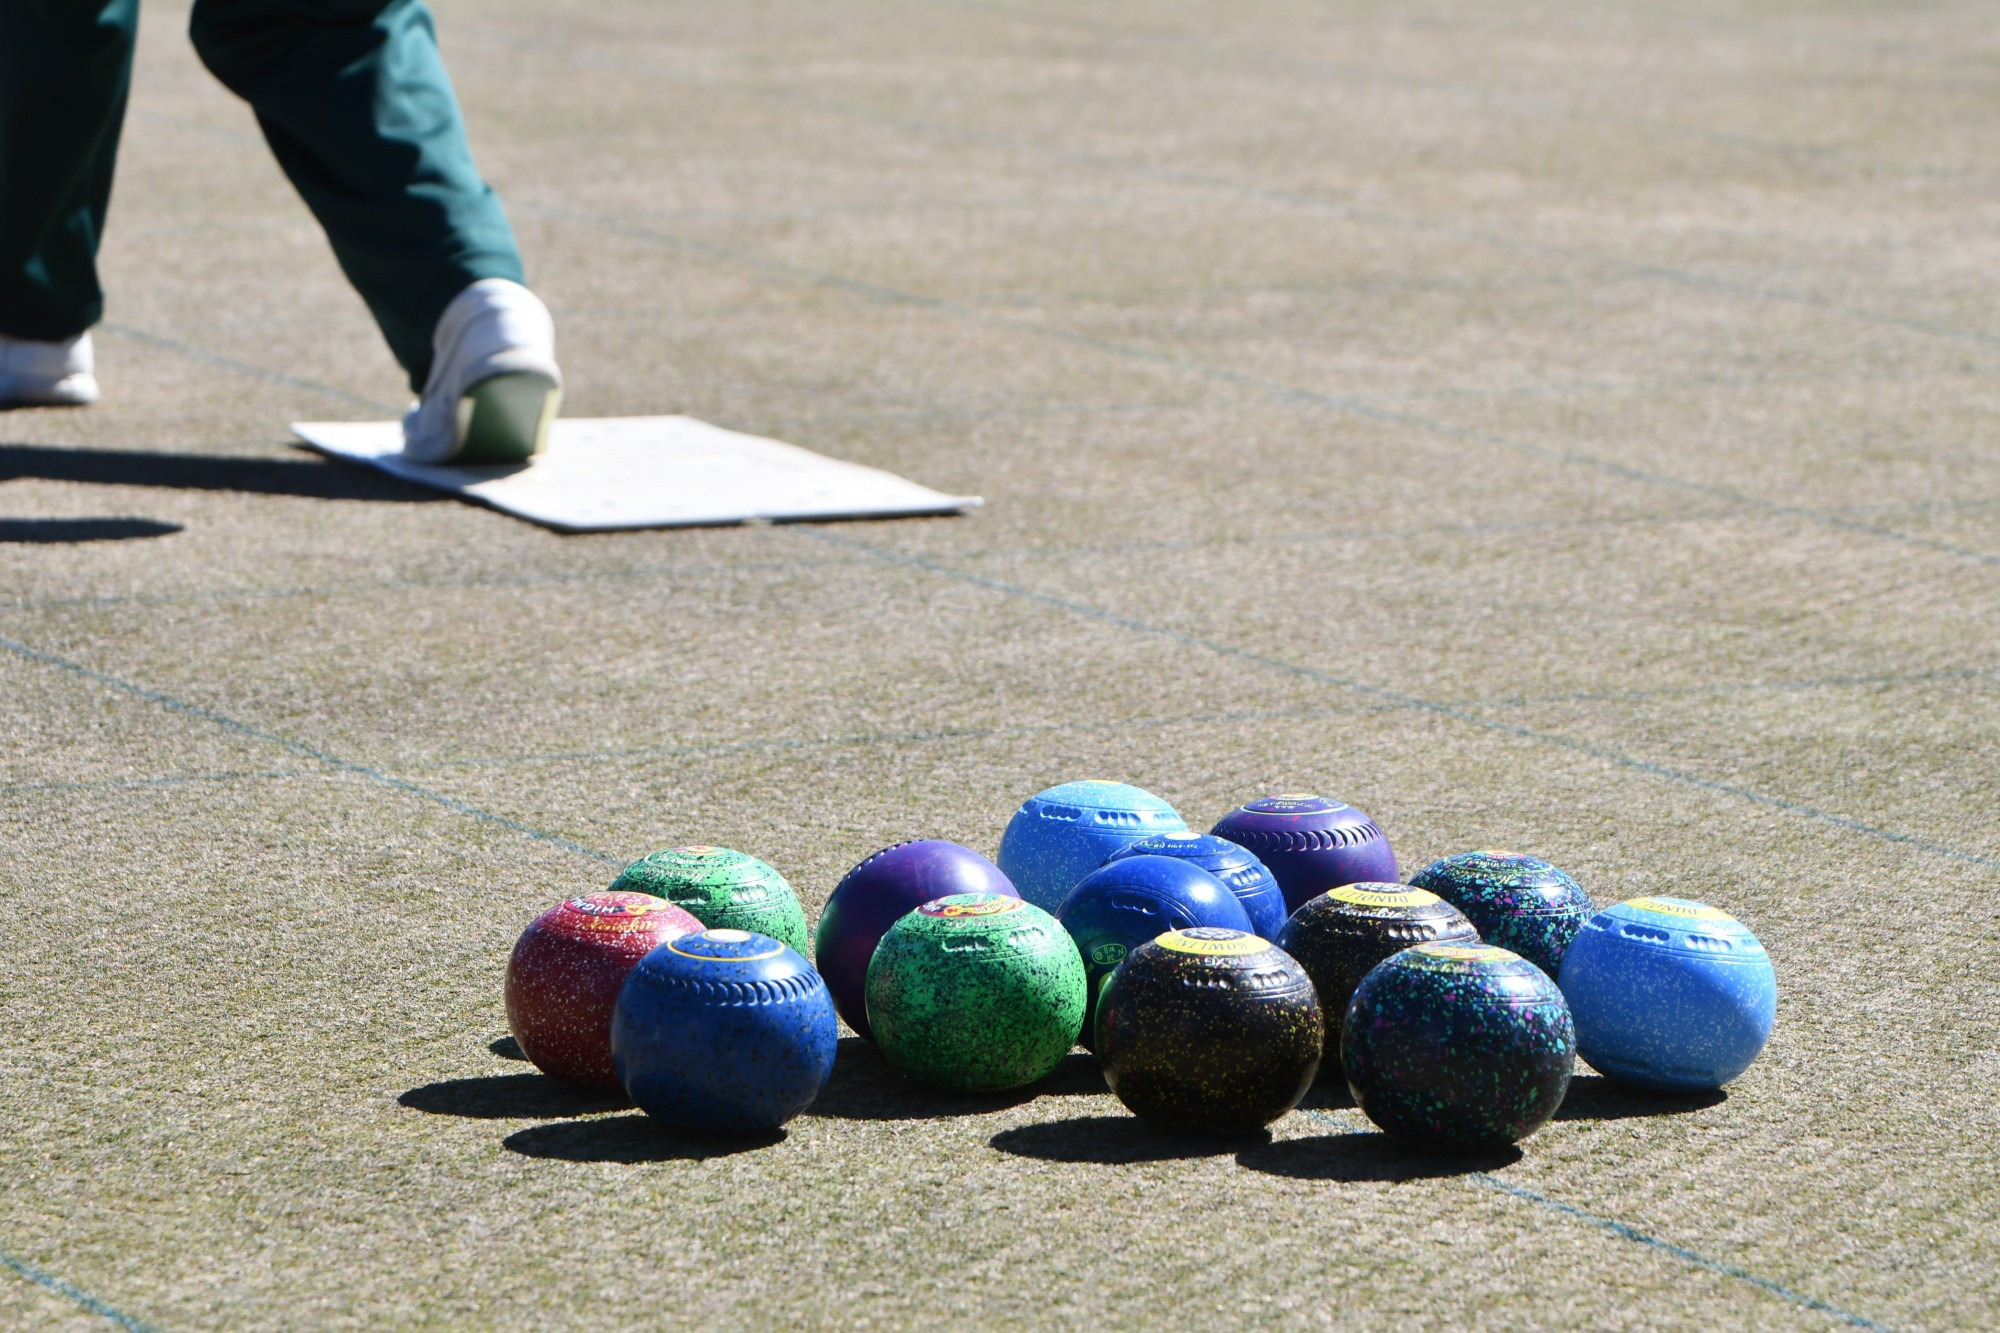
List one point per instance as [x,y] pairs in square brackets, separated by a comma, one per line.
[1458,1046]
[1669,994]
[724,1032]
[1517,902]
[875,895]
[1060,835]
[722,889]
[1209,1031]
[1130,900]
[1237,867]
[564,975]
[977,992]
[1310,844]
[1341,935]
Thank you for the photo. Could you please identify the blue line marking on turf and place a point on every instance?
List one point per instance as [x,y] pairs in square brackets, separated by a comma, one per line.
[1510,100]
[1681,1252]
[930,735]
[82,1298]
[1372,217]
[1735,690]
[306,751]
[1638,1237]
[545,579]
[1410,701]
[247,368]
[643,573]
[165,780]
[917,737]
[1340,208]
[1348,404]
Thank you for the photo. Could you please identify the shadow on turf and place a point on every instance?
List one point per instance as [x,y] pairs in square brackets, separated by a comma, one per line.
[310,478]
[1329,1094]
[1117,1140]
[56,531]
[510,1097]
[1590,1097]
[1365,1155]
[865,1086]
[1595,1097]
[627,1138]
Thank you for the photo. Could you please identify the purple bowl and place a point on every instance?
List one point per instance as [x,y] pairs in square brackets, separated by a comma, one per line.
[874,896]
[1311,844]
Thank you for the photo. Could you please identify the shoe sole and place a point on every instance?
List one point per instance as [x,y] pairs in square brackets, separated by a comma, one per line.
[506,419]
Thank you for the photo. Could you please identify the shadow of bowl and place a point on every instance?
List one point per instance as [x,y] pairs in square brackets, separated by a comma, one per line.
[1368,1156]
[1329,1094]
[865,1086]
[629,1139]
[1116,1140]
[512,1096]
[1595,1097]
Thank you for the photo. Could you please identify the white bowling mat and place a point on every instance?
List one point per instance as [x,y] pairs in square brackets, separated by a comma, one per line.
[648,472]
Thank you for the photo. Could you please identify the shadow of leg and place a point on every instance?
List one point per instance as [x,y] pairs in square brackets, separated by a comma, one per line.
[311,478]
[54,531]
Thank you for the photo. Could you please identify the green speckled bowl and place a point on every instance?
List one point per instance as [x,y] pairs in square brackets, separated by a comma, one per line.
[977,992]
[724,890]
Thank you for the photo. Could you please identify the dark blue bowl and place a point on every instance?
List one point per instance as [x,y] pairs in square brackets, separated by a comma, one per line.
[723,1032]
[1237,867]
[1129,901]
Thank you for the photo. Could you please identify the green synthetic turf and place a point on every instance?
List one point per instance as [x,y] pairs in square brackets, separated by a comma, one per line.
[1560,427]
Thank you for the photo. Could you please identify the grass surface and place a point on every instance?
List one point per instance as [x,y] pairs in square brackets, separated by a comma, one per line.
[1563,427]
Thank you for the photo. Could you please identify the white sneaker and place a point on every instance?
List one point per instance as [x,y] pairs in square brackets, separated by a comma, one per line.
[39,374]
[493,387]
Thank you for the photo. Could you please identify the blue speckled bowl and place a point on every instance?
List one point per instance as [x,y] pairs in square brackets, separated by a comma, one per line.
[1462,1046]
[1517,902]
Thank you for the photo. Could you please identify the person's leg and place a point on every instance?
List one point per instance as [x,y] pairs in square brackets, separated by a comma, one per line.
[353,97]
[65,67]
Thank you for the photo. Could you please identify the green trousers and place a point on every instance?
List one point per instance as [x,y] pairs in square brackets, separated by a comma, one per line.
[351,95]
